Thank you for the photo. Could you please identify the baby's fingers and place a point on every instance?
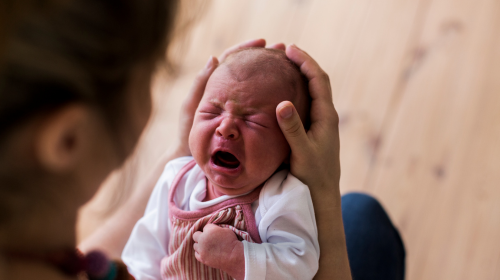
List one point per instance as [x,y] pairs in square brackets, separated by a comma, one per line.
[196,236]
[211,227]
[198,257]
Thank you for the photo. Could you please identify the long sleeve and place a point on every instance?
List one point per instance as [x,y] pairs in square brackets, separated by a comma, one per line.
[287,227]
[148,242]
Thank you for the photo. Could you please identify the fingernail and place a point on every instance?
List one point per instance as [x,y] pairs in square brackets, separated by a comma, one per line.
[294,46]
[286,112]
[209,62]
[254,40]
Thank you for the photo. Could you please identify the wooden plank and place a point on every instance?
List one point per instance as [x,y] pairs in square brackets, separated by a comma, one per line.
[365,71]
[437,172]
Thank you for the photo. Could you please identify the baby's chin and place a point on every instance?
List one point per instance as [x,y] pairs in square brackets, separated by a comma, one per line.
[241,183]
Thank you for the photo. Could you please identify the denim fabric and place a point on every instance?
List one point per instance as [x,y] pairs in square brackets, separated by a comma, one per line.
[374,246]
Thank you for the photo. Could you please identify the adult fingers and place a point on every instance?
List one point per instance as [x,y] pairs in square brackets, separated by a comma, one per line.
[319,85]
[248,44]
[319,82]
[198,87]
[191,103]
[291,126]
[278,46]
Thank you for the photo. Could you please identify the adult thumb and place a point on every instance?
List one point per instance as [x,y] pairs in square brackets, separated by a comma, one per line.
[291,126]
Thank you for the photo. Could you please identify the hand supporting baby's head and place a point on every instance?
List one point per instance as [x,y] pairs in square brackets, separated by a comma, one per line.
[235,137]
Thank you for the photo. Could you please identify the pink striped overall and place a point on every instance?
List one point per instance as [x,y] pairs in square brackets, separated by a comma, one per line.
[235,213]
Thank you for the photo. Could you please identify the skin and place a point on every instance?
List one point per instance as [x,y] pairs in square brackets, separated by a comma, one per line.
[314,160]
[219,248]
[238,117]
[71,152]
[237,114]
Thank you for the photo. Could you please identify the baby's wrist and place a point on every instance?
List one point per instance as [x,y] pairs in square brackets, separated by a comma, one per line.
[235,266]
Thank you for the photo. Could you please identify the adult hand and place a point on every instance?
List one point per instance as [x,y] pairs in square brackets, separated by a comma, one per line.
[315,153]
[198,88]
[315,161]
[190,104]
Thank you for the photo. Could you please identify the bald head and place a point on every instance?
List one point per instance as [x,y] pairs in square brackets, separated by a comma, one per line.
[271,65]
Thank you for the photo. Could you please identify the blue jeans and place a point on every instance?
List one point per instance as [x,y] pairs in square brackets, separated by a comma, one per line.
[374,247]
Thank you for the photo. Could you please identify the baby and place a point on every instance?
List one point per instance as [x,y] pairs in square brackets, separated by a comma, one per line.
[234,211]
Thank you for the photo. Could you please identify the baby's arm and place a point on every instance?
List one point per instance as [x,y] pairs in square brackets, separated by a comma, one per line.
[148,242]
[287,228]
[219,248]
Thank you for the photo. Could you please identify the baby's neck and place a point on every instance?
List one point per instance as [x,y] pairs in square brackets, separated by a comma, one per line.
[212,193]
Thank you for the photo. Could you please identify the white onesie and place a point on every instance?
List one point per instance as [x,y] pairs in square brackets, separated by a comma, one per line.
[284,216]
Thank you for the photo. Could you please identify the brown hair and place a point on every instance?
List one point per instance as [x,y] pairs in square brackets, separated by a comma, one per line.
[56,52]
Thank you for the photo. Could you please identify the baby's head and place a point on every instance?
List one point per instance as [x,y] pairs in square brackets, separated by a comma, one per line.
[235,137]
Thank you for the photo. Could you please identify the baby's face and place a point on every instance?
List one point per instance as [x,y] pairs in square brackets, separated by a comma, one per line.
[235,137]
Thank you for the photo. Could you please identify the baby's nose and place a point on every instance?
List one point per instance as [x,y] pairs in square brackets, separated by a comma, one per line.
[228,129]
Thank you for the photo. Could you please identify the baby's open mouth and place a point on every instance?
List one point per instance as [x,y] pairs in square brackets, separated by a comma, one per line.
[226,160]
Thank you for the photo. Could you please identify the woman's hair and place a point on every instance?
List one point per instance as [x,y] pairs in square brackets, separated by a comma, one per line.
[57,52]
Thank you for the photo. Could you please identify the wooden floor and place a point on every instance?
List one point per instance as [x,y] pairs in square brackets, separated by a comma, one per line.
[417,87]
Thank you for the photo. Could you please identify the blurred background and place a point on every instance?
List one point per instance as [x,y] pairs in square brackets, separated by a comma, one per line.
[417,87]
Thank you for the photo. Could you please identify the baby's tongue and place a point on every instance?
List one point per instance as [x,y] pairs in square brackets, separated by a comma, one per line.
[228,158]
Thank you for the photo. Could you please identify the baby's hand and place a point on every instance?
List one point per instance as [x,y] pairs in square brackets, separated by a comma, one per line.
[219,248]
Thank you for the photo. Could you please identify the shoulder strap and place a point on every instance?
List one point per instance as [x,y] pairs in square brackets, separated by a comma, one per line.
[175,183]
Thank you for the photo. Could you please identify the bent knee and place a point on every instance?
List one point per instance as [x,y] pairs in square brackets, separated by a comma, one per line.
[360,206]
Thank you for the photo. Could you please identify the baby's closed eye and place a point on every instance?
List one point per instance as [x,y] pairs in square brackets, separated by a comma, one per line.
[208,115]
[257,121]
[209,112]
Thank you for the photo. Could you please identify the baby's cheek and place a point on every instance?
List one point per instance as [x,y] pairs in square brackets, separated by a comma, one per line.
[280,145]
[199,140]
[271,153]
